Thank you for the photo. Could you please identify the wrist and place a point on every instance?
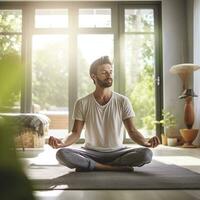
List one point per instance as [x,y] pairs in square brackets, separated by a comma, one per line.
[63,141]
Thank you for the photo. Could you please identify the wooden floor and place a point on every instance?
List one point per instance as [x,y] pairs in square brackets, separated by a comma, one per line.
[120,195]
[188,158]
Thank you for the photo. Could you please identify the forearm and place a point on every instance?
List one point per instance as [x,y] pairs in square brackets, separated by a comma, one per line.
[137,137]
[70,139]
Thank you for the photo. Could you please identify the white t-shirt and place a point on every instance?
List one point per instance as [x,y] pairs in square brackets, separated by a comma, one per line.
[103,123]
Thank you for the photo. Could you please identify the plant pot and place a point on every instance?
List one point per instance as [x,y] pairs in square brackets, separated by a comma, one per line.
[164,139]
[172,141]
[188,136]
[171,132]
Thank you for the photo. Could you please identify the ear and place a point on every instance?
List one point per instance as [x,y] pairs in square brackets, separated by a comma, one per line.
[93,76]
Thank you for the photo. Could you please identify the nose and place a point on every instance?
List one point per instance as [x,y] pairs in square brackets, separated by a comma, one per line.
[109,75]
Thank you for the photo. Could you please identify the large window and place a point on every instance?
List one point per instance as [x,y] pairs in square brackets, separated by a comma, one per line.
[62,39]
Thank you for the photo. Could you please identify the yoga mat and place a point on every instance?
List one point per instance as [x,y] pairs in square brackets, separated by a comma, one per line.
[155,175]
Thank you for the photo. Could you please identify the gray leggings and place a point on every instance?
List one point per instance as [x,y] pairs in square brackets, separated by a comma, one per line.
[87,158]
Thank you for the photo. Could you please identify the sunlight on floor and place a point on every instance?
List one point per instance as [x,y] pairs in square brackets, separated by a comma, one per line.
[179,160]
[50,194]
[47,157]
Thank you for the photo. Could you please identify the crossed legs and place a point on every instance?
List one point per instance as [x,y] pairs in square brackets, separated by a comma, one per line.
[120,160]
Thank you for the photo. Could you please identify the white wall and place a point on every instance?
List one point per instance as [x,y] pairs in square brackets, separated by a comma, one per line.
[190,29]
[174,25]
[197,61]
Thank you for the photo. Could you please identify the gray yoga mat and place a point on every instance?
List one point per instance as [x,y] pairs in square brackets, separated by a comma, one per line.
[152,176]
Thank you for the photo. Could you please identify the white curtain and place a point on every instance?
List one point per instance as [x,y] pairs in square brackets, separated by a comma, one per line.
[197,73]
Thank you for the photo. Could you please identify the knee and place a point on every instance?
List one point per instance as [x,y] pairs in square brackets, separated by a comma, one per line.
[63,157]
[147,155]
[61,154]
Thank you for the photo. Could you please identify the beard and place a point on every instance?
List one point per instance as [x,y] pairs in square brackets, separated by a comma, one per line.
[105,83]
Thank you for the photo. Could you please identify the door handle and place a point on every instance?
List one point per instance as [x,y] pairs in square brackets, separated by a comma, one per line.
[157,80]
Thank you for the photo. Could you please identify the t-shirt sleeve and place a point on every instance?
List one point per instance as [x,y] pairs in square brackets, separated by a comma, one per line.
[78,111]
[127,110]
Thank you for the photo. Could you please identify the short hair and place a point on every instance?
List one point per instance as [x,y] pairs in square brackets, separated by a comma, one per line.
[100,61]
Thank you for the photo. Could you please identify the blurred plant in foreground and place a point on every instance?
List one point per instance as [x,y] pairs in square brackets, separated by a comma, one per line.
[14,184]
[10,80]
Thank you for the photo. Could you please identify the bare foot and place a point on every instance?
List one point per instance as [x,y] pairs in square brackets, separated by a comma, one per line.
[102,167]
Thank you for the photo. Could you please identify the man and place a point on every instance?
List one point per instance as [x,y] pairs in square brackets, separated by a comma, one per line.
[103,112]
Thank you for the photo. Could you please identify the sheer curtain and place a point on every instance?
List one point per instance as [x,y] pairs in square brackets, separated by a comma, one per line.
[197,73]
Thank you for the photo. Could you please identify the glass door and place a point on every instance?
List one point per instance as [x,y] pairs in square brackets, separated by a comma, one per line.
[139,66]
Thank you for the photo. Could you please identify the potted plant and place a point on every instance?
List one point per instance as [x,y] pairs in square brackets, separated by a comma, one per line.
[168,122]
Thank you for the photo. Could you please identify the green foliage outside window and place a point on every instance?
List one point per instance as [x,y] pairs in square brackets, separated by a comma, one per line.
[10,60]
[142,98]
[10,80]
[142,90]
[50,77]
[10,22]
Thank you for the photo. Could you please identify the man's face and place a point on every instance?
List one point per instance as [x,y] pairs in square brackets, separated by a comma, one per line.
[104,76]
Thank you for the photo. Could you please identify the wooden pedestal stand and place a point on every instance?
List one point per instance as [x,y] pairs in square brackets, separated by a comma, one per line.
[188,134]
[185,72]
